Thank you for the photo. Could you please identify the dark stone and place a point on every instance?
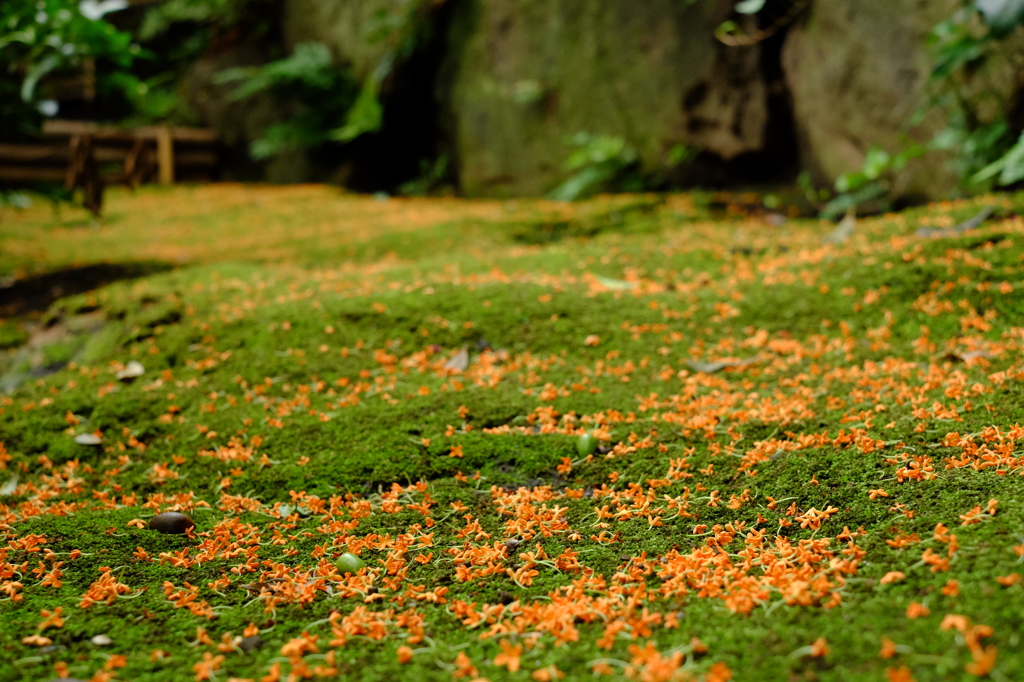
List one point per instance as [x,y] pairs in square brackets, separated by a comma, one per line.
[519,78]
[250,644]
[857,72]
[171,523]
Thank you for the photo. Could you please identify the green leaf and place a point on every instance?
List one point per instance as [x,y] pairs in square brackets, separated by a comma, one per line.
[37,71]
[726,28]
[615,284]
[1013,164]
[1009,167]
[749,6]
[844,202]
[875,163]
[850,182]
[365,116]
[679,153]
[582,183]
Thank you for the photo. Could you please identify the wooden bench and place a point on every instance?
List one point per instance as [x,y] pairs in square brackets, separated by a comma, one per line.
[88,156]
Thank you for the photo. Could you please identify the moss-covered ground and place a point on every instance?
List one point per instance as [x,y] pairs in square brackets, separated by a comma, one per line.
[808,460]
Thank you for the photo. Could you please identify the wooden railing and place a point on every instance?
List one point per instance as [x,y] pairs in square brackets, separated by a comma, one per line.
[88,156]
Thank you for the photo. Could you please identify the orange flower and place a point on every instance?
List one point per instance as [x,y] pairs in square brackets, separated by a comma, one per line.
[1008,580]
[819,648]
[509,656]
[37,640]
[984,661]
[105,589]
[892,577]
[51,619]
[888,648]
[951,588]
[917,610]
[404,654]
[901,674]
[719,672]
[955,622]
[548,674]
[274,675]
[206,667]
[464,667]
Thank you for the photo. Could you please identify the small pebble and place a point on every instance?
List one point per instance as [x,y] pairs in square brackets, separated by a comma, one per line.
[251,643]
[101,640]
[88,439]
[132,371]
[172,523]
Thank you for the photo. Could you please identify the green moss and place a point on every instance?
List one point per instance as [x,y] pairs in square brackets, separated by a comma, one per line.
[243,350]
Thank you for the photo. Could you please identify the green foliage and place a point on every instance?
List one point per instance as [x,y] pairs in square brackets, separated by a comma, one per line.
[333,106]
[218,14]
[402,31]
[983,150]
[599,163]
[182,31]
[872,182]
[48,37]
[365,116]
[308,66]
[433,177]
[323,93]
[1008,169]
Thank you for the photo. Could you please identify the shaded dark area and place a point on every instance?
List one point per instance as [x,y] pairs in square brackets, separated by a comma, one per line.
[411,137]
[778,161]
[35,294]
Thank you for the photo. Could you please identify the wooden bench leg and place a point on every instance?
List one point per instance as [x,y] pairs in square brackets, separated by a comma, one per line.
[84,171]
[165,155]
[138,165]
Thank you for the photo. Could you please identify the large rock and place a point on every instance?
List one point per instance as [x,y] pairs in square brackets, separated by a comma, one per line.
[356,31]
[521,76]
[239,122]
[857,73]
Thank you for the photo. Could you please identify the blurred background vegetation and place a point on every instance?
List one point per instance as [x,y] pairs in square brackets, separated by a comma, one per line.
[865,105]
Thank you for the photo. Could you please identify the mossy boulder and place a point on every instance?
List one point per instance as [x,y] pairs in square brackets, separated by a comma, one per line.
[858,74]
[346,27]
[240,121]
[521,77]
